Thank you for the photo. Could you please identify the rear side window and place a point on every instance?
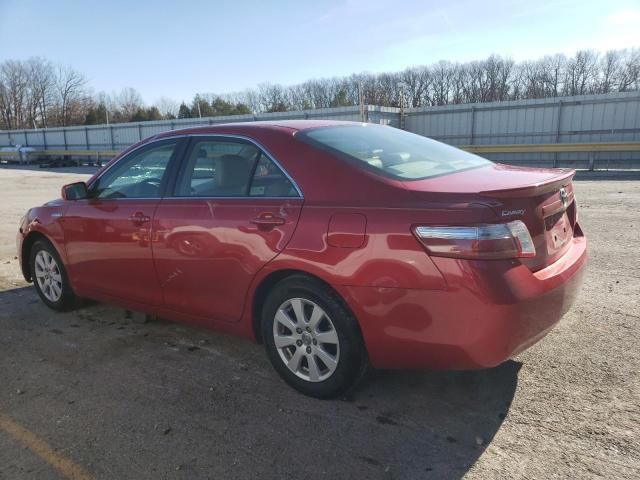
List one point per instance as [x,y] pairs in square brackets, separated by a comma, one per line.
[392,152]
[230,168]
[217,168]
[269,181]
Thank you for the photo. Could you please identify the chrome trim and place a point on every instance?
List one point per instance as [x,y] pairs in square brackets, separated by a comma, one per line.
[184,135]
[132,199]
[105,199]
[256,197]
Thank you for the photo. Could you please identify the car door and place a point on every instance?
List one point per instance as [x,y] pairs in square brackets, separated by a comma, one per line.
[233,209]
[108,235]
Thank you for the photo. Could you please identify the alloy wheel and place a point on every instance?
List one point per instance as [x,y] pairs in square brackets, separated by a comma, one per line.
[306,339]
[48,276]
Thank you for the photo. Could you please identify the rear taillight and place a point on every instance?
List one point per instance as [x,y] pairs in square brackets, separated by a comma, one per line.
[485,241]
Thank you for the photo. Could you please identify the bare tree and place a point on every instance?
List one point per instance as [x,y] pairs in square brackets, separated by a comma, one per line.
[71,95]
[387,90]
[36,93]
[443,73]
[129,102]
[42,82]
[630,72]
[319,93]
[418,80]
[552,69]
[167,107]
[610,65]
[498,76]
[14,79]
[272,97]
[248,97]
[298,98]
[581,73]
[111,108]
[530,80]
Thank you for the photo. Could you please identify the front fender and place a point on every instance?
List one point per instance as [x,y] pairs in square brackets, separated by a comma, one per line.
[38,223]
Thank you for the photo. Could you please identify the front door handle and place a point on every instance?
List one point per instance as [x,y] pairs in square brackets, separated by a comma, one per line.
[139,218]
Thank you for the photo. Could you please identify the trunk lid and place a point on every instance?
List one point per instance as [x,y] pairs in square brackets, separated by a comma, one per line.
[542,198]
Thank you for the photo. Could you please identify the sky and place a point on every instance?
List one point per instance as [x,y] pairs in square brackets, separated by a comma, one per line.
[180,48]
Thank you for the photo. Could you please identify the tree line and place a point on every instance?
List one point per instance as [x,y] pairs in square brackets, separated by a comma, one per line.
[37,94]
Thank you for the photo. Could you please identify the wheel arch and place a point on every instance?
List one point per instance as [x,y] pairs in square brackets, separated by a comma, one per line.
[31,238]
[269,281]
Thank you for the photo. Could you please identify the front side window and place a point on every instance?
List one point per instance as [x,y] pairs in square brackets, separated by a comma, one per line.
[230,168]
[138,175]
[393,152]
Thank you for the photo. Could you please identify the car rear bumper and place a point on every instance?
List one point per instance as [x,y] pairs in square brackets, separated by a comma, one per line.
[490,311]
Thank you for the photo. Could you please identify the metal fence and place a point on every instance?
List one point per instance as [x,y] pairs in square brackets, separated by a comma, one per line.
[581,119]
[121,135]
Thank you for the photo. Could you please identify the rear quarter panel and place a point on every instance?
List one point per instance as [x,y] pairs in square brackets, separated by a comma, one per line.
[390,256]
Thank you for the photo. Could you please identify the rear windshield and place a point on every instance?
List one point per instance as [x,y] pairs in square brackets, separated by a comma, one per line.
[393,152]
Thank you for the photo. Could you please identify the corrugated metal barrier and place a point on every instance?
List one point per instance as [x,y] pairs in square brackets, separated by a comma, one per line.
[531,127]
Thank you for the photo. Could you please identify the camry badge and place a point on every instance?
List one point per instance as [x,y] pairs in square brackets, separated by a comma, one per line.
[507,213]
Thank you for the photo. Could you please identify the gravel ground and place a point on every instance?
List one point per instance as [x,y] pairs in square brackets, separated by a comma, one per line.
[124,398]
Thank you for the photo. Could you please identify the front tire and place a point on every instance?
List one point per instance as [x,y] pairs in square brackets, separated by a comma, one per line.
[311,337]
[50,277]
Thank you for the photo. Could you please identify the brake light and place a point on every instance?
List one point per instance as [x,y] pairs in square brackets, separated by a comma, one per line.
[485,241]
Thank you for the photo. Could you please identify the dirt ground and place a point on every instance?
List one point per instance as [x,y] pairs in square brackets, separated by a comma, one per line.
[97,394]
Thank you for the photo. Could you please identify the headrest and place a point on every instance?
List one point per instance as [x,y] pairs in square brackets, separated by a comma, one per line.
[232,171]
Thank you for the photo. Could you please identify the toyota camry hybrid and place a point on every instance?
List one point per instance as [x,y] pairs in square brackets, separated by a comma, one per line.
[338,245]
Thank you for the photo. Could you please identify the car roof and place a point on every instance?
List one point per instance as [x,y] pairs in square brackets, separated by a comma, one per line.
[279,125]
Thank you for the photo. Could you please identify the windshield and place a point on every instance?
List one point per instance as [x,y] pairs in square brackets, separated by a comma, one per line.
[393,152]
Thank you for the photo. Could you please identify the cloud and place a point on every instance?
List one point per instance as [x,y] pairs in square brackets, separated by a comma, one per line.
[625,17]
[351,10]
[620,29]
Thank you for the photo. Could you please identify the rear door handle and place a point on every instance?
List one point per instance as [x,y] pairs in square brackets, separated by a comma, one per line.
[139,218]
[267,220]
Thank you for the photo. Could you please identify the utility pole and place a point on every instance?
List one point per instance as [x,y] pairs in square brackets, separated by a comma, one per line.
[401,86]
[361,101]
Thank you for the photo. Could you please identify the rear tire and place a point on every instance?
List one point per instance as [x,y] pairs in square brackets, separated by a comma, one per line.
[50,277]
[311,337]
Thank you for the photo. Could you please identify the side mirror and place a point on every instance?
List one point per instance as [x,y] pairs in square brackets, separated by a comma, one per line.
[75,191]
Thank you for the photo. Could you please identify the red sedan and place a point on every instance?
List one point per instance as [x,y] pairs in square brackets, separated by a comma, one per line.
[338,245]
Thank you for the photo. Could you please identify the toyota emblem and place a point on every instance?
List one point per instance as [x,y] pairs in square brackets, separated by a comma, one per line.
[564,196]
